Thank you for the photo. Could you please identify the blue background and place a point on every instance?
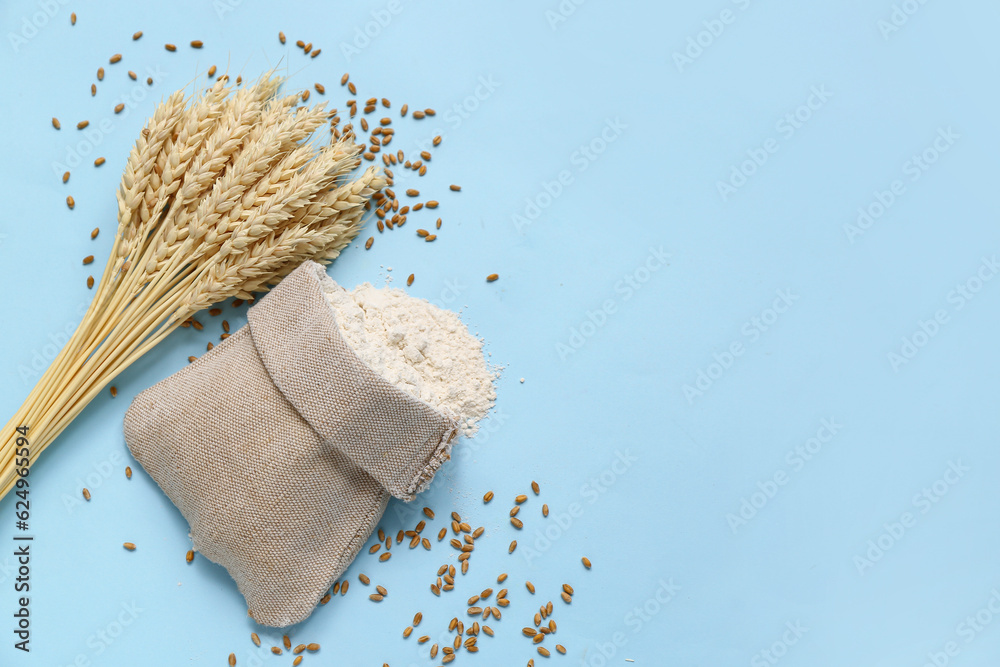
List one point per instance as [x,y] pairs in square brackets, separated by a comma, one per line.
[711,536]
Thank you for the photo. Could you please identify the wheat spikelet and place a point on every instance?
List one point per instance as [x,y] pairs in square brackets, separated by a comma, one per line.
[276,257]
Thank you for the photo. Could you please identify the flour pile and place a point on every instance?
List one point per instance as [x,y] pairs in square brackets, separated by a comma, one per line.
[424,350]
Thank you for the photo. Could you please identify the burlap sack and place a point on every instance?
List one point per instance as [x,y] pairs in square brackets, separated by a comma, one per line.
[281,449]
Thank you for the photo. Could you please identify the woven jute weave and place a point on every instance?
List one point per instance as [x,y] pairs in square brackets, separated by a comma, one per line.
[282,449]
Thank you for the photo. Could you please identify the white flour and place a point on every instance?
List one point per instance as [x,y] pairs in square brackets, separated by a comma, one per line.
[424,350]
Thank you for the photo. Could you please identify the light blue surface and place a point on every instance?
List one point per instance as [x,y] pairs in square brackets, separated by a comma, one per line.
[592,395]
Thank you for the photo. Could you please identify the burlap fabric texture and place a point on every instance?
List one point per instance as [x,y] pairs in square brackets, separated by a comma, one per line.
[281,449]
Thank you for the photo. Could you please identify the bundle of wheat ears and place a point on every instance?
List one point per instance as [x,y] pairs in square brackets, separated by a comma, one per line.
[222,196]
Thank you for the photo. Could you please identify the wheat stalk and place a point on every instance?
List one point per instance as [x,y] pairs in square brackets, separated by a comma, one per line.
[222,196]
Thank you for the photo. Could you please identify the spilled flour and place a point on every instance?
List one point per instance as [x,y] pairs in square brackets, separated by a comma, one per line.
[424,350]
